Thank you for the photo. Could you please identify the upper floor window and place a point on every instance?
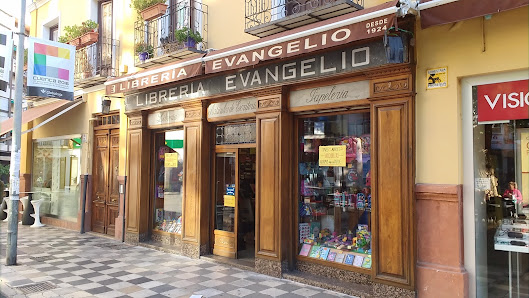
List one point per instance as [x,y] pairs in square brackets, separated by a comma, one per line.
[54,33]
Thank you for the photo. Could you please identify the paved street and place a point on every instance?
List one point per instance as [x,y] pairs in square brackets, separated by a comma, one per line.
[73,265]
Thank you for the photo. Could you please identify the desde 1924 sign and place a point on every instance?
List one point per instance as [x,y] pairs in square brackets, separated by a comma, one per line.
[350,59]
[50,69]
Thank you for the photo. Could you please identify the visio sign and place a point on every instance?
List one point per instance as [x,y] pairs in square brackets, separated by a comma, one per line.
[503,101]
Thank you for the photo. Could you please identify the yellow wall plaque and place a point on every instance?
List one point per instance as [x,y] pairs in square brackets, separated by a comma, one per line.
[332,156]
[229,201]
[171,160]
[437,78]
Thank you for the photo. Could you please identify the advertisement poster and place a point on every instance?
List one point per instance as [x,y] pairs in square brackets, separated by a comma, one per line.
[6,51]
[50,69]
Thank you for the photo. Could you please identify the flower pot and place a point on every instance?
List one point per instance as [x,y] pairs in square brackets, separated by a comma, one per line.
[143,56]
[152,12]
[88,39]
[190,43]
[75,42]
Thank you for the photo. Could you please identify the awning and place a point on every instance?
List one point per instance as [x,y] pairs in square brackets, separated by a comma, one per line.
[359,25]
[34,113]
[164,74]
[464,10]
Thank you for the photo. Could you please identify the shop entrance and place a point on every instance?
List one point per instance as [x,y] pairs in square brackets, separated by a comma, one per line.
[234,189]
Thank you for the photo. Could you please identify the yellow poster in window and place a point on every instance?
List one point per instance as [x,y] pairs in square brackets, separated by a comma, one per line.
[171,160]
[332,156]
[229,201]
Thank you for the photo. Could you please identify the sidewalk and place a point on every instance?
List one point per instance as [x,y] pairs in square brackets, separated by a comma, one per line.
[68,264]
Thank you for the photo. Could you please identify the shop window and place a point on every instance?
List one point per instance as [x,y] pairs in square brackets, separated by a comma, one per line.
[169,177]
[335,189]
[501,196]
[56,177]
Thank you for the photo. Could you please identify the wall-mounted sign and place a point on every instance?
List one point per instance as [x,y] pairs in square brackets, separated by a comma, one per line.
[329,94]
[347,60]
[166,117]
[503,101]
[171,160]
[229,201]
[149,78]
[332,156]
[437,78]
[6,51]
[232,107]
[373,27]
[50,69]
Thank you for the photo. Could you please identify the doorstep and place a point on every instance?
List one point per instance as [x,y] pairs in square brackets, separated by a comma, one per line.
[172,249]
[349,288]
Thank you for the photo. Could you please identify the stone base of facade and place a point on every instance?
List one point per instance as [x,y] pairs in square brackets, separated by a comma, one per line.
[135,238]
[439,282]
[270,267]
[172,240]
[190,250]
[70,225]
[334,273]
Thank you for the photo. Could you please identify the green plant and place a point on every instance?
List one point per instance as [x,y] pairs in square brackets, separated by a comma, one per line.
[140,5]
[75,31]
[183,34]
[142,47]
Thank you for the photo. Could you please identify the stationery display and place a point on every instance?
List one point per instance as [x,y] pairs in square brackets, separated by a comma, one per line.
[358,261]
[170,226]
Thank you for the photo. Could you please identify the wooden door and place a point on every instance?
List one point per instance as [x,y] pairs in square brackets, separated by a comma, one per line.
[105,200]
[226,190]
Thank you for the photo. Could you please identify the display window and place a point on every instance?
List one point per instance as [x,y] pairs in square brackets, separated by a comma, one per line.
[56,176]
[169,177]
[334,196]
[501,200]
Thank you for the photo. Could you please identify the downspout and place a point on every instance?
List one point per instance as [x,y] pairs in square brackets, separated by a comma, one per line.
[125,180]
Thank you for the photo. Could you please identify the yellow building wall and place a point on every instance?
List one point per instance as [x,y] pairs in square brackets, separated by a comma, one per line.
[69,13]
[460,47]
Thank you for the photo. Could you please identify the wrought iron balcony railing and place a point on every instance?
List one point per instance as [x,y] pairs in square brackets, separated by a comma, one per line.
[178,34]
[96,62]
[267,17]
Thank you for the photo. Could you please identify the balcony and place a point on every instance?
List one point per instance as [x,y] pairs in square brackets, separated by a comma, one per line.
[267,17]
[96,62]
[170,37]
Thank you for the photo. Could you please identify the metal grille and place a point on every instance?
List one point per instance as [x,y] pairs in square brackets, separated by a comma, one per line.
[235,134]
[97,61]
[36,287]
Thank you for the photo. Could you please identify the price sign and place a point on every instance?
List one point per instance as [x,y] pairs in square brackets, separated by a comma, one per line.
[332,156]
[229,201]
[171,160]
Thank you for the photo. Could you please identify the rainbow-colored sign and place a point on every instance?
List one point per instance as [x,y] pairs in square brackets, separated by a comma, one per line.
[50,69]
[47,59]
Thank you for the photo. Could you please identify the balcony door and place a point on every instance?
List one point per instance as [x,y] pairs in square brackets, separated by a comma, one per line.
[105,37]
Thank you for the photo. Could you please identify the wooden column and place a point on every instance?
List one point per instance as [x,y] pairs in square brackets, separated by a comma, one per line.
[273,192]
[393,235]
[195,225]
[138,173]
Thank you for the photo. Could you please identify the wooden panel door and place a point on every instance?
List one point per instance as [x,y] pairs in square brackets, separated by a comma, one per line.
[393,233]
[100,177]
[105,201]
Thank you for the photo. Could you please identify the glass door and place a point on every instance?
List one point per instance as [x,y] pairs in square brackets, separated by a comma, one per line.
[226,210]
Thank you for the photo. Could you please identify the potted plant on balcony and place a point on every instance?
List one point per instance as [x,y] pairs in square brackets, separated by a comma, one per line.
[71,34]
[88,33]
[149,9]
[144,51]
[187,37]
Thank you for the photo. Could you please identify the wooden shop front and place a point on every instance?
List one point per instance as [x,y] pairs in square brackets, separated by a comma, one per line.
[304,164]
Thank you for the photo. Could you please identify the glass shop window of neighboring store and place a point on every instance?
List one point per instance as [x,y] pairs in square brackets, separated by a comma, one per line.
[335,189]
[56,177]
[168,181]
[501,196]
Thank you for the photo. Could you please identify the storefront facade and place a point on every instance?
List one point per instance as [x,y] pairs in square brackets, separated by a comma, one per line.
[300,164]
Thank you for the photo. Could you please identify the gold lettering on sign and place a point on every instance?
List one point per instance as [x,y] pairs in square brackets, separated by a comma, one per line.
[391,86]
[225,241]
[135,122]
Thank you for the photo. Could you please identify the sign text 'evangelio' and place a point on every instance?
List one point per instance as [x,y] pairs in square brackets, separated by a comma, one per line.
[350,59]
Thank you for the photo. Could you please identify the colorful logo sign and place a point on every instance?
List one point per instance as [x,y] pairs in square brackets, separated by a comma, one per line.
[50,69]
[503,101]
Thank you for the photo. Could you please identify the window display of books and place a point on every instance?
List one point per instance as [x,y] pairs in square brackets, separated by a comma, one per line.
[170,226]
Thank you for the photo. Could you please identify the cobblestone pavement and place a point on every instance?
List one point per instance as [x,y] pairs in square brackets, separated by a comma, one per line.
[87,265]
